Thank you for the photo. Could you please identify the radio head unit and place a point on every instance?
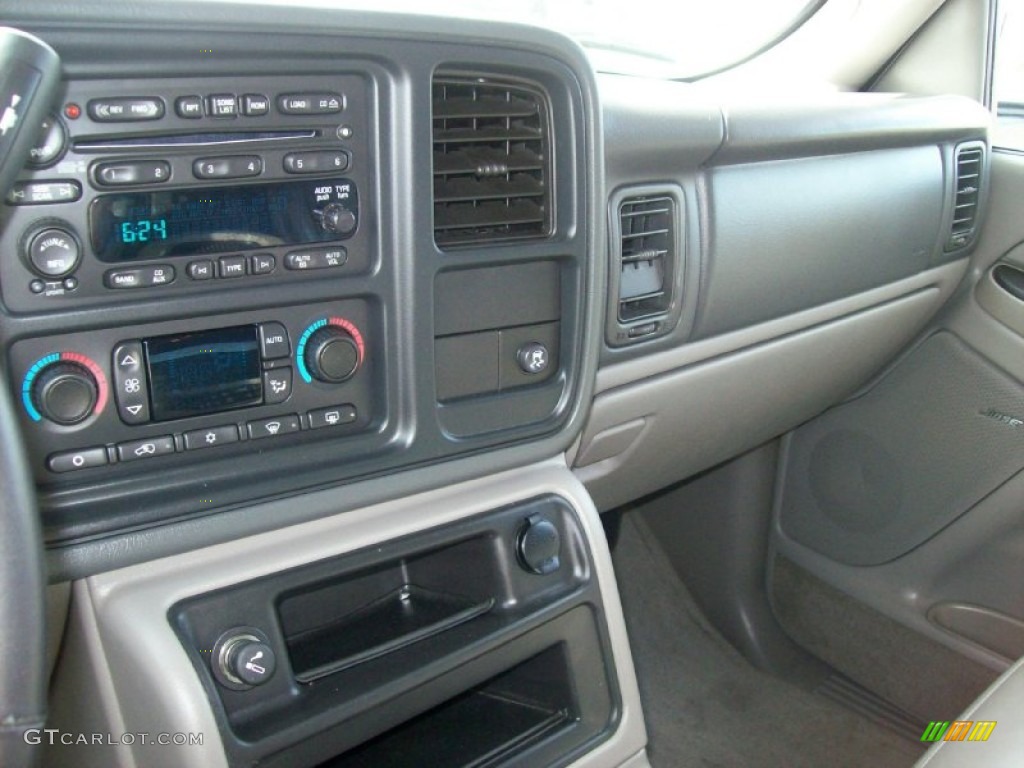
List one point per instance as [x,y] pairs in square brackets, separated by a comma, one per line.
[192,187]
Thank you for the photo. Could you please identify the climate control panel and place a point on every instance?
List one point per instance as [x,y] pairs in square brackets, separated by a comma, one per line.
[99,400]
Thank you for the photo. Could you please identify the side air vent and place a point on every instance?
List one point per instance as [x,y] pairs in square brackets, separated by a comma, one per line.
[647,241]
[646,263]
[970,167]
[492,161]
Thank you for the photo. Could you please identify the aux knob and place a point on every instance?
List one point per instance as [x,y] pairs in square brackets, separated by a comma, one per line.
[332,355]
[65,393]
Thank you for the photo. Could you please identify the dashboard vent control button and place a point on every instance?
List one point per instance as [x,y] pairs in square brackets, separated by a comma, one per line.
[272,427]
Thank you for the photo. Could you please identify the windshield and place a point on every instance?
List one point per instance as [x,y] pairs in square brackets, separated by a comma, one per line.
[687,38]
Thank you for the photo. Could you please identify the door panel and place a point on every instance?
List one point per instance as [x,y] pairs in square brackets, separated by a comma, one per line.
[906,502]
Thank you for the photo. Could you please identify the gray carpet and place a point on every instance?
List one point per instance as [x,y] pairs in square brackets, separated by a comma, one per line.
[706,706]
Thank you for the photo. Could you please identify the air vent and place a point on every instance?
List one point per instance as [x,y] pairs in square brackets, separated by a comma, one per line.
[970,165]
[646,256]
[492,162]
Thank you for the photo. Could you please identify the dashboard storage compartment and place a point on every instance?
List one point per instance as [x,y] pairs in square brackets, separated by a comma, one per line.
[341,637]
[451,637]
[484,726]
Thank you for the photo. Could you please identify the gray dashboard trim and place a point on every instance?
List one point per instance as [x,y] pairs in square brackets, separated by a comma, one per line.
[945,278]
[130,605]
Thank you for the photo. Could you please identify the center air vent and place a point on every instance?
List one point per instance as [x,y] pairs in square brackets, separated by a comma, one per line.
[970,165]
[492,162]
[646,259]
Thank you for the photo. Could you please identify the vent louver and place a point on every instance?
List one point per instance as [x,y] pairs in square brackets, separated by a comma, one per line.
[492,168]
[970,164]
[646,226]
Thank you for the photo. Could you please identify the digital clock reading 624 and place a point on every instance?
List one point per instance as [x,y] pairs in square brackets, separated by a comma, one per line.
[132,226]
[143,230]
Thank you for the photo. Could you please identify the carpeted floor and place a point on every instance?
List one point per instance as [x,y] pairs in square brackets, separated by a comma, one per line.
[706,706]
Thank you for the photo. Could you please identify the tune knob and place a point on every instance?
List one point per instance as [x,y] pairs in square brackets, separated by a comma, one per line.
[332,355]
[337,218]
[65,393]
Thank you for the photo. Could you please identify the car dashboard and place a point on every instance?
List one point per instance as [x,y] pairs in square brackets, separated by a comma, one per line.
[330,335]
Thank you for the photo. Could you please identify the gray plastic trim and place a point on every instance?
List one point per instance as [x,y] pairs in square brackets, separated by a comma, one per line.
[130,607]
[784,126]
[704,414]
[944,278]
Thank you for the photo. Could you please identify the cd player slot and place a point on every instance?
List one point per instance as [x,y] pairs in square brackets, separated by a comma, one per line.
[190,140]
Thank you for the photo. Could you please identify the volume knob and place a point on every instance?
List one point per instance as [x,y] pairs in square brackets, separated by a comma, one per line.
[65,393]
[332,355]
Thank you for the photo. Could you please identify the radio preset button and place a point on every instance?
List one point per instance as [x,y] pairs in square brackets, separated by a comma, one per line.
[255,105]
[44,192]
[131,389]
[211,437]
[221,105]
[144,449]
[316,161]
[119,174]
[189,107]
[200,270]
[126,110]
[54,252]
[272,427]
[274,342]
[262,263]
[331,417]
[277,385]
[227,167]
[310,103]
[69,461]
[232,266]
[316,258]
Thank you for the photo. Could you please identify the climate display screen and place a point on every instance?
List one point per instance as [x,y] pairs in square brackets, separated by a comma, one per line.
[196,373]
[190,222]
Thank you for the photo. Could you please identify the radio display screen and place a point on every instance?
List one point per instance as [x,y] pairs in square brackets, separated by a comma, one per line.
[195,373]
[191,222]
